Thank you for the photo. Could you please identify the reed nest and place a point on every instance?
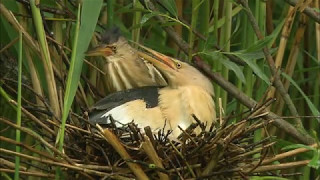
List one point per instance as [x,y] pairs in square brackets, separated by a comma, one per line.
[223,151]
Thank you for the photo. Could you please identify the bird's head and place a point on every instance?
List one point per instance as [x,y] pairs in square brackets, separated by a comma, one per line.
[109,41]
[178,73]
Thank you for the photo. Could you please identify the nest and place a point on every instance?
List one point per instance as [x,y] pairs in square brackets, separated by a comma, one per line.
[224,151]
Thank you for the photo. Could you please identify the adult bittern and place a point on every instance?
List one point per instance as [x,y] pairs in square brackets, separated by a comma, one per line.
[188,93]
[123,65]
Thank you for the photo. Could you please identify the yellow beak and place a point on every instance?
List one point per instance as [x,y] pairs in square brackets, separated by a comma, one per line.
[101,51]
[157,59]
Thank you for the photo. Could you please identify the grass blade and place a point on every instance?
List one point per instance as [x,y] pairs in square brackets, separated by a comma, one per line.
[45,56]
[313,109]
[18,149]
[85,27]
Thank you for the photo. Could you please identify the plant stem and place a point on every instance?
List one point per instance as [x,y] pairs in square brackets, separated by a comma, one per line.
[18,148]
[194,18]
[226,35]
[275,73]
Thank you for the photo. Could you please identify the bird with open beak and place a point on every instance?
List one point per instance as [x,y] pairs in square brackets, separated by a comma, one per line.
[188,93]
[123,66]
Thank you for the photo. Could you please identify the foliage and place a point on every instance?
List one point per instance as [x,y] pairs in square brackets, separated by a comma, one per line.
[59,84]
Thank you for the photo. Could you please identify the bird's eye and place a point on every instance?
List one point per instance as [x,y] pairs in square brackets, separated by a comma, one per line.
[178,65]
[114,49]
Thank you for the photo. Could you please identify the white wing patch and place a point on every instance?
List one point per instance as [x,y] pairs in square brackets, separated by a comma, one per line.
[137,112]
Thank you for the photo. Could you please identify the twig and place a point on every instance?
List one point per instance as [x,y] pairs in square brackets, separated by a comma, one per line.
[32,117]
[259,111]
[152,154]
[287,154]
[184,132]
[183,158]
[68,49]
[312,13]
[175,169]
[185,167]
[4,139]
[258,163]
[148,132]
[275,167]
[89,171]
[71,127]
[10,164]
[28,173]
[250,152]
[9,44]
[213,161]
[98,167]
[13,21]
[113,140]
[37,137]
[40,97]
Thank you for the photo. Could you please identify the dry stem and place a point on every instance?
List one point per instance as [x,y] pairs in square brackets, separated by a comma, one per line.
[116,144]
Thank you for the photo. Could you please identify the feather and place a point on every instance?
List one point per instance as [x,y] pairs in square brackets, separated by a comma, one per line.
[148,94]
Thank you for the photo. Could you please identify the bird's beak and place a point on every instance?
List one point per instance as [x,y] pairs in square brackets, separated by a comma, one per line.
[157,59]
[100,51]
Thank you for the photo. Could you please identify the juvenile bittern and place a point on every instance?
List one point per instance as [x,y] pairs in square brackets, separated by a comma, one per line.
[188,93]
[123,65]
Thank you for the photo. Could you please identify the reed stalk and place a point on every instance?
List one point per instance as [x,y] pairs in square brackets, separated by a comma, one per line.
[225,42]
[18,133]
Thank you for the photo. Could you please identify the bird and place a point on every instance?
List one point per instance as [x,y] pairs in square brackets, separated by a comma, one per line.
[188,93]
[123,66]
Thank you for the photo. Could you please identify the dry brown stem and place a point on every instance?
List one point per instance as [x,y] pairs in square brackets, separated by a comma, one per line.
[116,144]
[286,30]
[28,173]
[282,166]
[37,137]
[11,165]
[152,154]
[35,119]
[312,13]
[287,154]
[45,161]
[292,60]
[43,154]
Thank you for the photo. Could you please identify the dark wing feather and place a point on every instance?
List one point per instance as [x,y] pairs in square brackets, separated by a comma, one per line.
[148,94]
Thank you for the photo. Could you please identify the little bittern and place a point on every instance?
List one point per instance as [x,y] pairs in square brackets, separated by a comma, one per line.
[123,65]
[188,93]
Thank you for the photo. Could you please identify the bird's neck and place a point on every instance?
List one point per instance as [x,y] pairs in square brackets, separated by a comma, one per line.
[180,103]
[199,102]
[126,70]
